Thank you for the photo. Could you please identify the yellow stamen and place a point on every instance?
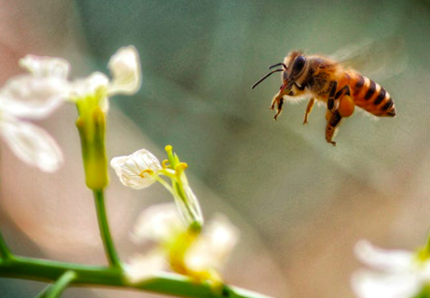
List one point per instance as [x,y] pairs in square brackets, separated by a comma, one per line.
[165,164]
[180,167]
[167,172]
[168,148]
[149,171]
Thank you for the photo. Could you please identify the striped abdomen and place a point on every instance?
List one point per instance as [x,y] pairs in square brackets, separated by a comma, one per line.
[370,96]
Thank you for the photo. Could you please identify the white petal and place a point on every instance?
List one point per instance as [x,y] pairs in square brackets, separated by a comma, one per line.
[387,260]
[46,66]
[368,284]
[94,85]
[142,267]
[191,206]
[213,247]
[125,69]
[31,144]
[159,223]
[32,97]
[129,168]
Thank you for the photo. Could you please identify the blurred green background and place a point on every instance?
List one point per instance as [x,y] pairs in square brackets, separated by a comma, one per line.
[304,202]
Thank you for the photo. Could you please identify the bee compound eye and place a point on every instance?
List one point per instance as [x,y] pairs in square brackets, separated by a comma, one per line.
[298,65]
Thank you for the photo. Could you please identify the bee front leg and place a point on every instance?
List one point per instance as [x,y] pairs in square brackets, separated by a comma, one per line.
[277,103]
[333,122]
[309,109]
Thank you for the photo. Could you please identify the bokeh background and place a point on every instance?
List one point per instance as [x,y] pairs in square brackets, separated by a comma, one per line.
[300,203]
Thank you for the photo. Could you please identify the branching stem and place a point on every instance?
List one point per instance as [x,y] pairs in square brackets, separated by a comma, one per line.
[168,284]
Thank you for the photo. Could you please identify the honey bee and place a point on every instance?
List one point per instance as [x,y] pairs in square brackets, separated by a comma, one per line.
[332,82]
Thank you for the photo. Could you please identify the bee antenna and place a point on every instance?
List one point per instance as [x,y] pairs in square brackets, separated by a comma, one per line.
[278,64]
[266,76]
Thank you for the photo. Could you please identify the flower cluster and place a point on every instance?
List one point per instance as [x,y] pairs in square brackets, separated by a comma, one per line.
[181,240]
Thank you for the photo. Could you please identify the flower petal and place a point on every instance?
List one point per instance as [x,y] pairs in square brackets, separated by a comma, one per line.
[190,210]
[368,284]
[159,223]
[32,97]
[142,267]
[31,144]
[125,69]
[130,169]
[387,260]
[213,247]
[46,66]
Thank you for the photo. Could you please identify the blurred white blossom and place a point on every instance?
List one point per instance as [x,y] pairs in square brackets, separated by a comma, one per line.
[199,254]
[394,273]
[44,88]
[46,66]
[213,247]
[22,97]
[124,66]
[142,267]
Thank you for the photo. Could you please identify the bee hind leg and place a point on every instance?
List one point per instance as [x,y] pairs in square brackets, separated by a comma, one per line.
[277,104]
[333,122]
[309,109]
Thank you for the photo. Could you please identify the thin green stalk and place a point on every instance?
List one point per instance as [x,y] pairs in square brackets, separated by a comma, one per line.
[109,246]
[168,284]
[61,284]
[42,294]
[56,289]
[5,252]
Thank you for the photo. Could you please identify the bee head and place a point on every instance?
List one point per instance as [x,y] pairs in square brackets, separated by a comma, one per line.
[292,68]
[295,62]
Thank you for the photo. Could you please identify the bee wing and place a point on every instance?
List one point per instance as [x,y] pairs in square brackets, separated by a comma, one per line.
[378,60]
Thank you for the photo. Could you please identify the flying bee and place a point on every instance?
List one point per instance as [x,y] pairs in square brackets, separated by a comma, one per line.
[332,82]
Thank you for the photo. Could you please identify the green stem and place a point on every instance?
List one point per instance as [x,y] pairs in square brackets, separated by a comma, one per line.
[56,289]
[111,253]
[168,284]
[4,249]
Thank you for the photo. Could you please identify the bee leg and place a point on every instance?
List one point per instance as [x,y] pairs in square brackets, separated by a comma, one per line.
[309,109]
[334,99]
[331,106]
[277,102]
[333,122]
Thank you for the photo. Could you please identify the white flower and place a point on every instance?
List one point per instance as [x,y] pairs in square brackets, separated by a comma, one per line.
[195,253]
[395,274]
[124,66]
[134,170]
[45,87]
[142,168]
